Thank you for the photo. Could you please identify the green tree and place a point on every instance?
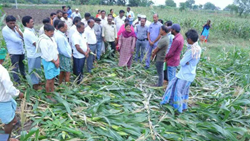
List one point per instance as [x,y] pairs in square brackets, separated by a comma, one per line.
[209,6]
[121,2]
[243,6]
[195,7]
[182,6]
[170,3]
[189,3]
[200,6]
[232,8]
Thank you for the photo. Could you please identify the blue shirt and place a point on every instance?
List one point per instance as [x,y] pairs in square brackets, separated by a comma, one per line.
[171,37]
[154,31]
[69,13]
[63,45]
[30,38]
[188,71]
[13,41]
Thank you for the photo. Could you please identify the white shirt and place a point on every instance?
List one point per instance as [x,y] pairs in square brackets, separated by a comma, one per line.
[79,39]
[72,30]
[85,22]
[69,24]
[48,48]
[104,21]
[30,38]
[63,45]
[7,90]
[131,15]
[74,14]
[13,41]
[41,31]
[119,22]
[90,35]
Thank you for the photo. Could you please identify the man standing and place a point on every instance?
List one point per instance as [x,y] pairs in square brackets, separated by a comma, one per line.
[73,29]
[173,56]
[103,18]
[14,42]
[52,16]
[65,52]
[130,15]
[68,21]
[34,59]
[80,51]
[45,21]
[59,15]
[85,19]
[109,34]
[64,9]
[119,20]
[98,33]
[69,11]
[141,43]
[160,53]
[137,21]
[76,14]
[91,40]
[153,37]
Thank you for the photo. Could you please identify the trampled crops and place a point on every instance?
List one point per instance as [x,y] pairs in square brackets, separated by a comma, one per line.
[117,104]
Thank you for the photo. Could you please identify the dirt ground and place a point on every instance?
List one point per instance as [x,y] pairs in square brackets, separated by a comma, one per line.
[37,14]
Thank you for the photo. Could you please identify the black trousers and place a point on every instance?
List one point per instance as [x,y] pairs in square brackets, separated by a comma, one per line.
[18,65]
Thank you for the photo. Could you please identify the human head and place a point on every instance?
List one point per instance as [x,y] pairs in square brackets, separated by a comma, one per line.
[87,16]
[110,20]
[126,20]
[139,17]
[169,23]
[143,21]
[99,11]
[128,9]
[65,15]
[59,14]
[56,22]
[161,21]
[49,30]
[77,10]
[76,20]
[10,21]
[3,53]
[64,8]
[175,29]
[80,27]
[91,23]
[121,13]
[46,21]
[111,11]
[69,7]
[209,22]
[27,21]
[62,26]
[98,20]
[164,30]
[103,13]
[192,36]
[52,15]
[155,18]
[127,27]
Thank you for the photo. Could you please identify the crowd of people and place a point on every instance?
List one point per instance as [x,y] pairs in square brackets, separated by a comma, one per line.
[66,37]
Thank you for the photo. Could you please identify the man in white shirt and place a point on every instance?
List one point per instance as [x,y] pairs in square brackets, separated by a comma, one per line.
[7,103]
[103,18]
[130,15]
[136,22]
[76,14]
[85,19]
[46,44]
[92,40]
[73,29]
[45,21]
[80,51]
[119,20]
[14,42]
[34,59]
[65,52]
[68,21]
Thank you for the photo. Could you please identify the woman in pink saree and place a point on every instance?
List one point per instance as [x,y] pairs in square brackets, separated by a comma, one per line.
[126,46]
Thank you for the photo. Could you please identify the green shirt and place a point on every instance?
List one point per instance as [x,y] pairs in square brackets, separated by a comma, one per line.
[162,46]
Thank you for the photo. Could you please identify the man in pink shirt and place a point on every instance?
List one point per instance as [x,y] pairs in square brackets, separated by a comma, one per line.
[173,56]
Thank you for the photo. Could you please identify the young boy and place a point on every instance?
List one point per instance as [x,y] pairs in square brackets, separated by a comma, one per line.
[7,103]
[177,92]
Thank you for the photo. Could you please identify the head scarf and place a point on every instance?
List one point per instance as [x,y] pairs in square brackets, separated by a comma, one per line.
[3,53]
[127,34]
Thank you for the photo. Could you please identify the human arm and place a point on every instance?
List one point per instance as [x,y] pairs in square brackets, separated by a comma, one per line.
[133,45]
[103,38]
[186,58]
[115,35]
[172,50]
[11,36]
[78,48]
[18,30]
[157,39]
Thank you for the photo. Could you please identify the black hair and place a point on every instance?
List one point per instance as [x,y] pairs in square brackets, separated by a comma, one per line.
[91,17]
[161,21]
[90,20]
[99,10]
[144,19]
[63,7]
[87,15]
[169,23]
[110,10]
[103,11]
[46,21]
[10,18]
[128,8]
[59,11]
[69,7]
[121,11]
[48,27]
[25,20]
[127,25]
[110,15]
[61,24]
[126,20]
[65,13]
[52,14]
[79,25]
[76,20]
[192,34]
[56,23]
[164,28]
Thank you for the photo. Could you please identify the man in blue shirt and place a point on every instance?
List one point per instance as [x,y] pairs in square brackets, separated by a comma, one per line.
[69,11]
[153,37]
[14,42]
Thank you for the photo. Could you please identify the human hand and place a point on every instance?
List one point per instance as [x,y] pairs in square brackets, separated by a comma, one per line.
[151,43]
[21,96]
[57,63]
[17,27]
